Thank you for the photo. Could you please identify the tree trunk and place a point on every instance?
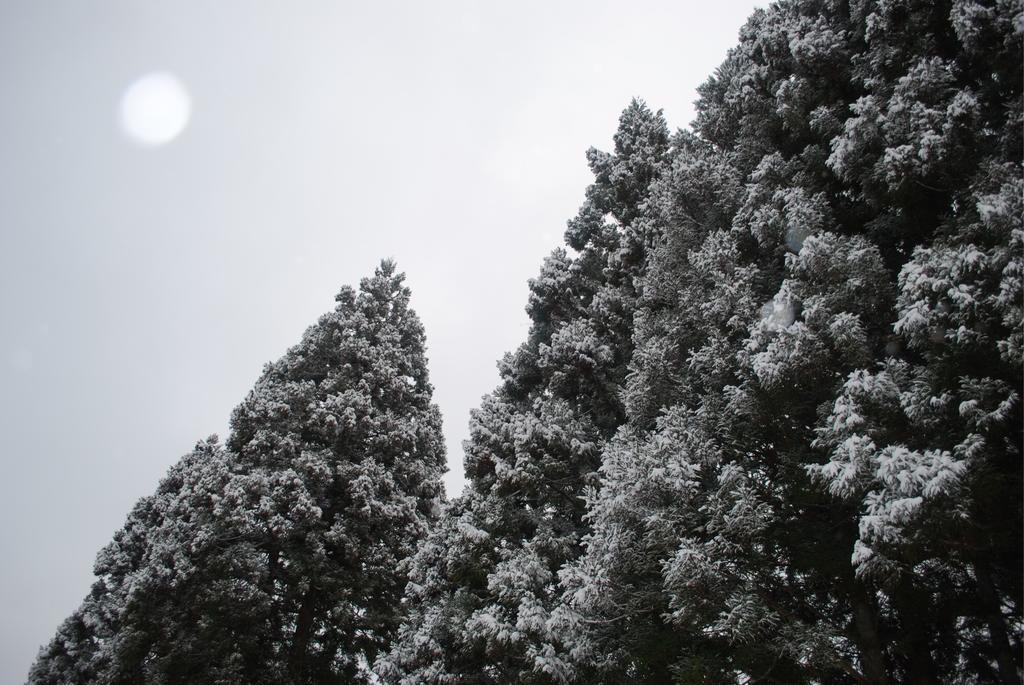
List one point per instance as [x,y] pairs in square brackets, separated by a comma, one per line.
[914,643]
[996,624]
[300,641]
[865,621]
[270,589]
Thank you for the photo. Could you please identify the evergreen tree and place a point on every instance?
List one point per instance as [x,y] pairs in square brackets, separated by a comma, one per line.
[484,584]
[766,425]
[280,557]
[838,281]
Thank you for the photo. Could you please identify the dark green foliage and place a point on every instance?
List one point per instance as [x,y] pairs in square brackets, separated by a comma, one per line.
[280,558]
[796,336]
[484,584]
[766,425]
[844,289]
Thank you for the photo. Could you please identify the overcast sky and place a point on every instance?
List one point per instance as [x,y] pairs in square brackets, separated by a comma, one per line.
[142,286]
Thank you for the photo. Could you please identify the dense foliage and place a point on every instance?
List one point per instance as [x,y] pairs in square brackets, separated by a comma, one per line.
[278,558]
[766,425]
[484,584]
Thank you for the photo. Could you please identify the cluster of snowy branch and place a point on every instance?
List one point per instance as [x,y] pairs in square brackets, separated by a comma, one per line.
[280,556]
[766,425]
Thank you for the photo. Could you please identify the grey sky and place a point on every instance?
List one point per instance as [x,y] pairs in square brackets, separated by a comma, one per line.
[142,290]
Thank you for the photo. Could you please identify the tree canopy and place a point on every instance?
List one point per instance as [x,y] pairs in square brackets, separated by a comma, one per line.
[278,557]
[785,353]
[766,424]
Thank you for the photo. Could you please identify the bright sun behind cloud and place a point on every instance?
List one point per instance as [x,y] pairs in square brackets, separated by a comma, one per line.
[155,109]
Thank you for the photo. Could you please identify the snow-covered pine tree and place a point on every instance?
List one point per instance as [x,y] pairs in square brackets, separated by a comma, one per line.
[483,585]
[280,558]
[839,281]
